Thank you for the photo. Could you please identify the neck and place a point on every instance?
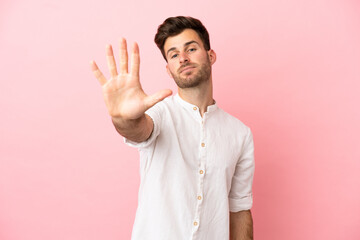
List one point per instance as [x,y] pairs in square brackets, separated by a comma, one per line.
[201,96]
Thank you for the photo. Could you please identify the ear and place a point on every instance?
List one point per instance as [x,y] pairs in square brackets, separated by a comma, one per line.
[212,56]
[168,70]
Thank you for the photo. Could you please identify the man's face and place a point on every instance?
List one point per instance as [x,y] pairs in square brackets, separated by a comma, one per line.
[188,61]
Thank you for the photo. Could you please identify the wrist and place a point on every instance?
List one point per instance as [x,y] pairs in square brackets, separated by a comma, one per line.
[121,122]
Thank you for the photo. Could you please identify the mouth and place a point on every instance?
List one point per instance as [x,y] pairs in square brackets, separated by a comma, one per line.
[187,68]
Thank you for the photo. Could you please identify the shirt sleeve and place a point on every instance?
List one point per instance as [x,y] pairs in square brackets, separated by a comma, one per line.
[240,196]
[155,114]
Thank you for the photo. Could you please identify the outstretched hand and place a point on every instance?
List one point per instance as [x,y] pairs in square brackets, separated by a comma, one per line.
[123,94]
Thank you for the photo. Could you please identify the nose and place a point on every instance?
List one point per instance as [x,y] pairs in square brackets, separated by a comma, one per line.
[183,58]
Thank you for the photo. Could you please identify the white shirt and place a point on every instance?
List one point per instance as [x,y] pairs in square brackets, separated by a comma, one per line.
[193,171]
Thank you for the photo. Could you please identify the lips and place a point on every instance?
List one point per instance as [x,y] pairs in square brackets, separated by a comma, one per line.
[186,68]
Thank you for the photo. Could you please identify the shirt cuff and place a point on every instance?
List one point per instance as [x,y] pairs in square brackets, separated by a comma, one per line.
[240,204]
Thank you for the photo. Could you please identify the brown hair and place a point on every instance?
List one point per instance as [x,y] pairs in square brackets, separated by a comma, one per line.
[173,26]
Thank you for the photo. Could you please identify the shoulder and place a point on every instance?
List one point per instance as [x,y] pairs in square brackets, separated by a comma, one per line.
[234,125]
[233,122]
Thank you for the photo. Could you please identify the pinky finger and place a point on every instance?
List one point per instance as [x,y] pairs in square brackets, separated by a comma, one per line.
[98,74]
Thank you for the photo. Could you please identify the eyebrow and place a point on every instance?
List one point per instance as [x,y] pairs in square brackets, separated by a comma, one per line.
[186,44]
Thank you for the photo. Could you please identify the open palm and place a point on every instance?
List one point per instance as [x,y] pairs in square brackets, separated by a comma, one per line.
[123,94]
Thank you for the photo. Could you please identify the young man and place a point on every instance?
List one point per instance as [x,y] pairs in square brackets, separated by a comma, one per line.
[196,161]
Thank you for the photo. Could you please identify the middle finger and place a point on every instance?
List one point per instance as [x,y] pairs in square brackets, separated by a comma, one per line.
[123,56]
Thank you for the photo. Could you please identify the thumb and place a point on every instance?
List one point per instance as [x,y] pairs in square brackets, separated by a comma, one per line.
[151,100]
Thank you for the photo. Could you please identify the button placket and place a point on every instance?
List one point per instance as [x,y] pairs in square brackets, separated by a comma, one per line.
[201,174]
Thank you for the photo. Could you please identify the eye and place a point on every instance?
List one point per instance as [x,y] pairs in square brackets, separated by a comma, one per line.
[174,56]
[192,49]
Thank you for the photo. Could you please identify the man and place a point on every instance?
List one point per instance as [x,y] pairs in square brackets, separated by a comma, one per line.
[196,161]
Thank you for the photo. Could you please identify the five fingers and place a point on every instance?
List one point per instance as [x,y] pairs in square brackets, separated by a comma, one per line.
[135,62]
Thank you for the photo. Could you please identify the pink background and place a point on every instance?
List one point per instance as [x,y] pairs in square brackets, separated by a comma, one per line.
[288,69]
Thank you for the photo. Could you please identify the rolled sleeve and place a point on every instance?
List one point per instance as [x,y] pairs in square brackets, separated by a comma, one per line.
[154,114]
[240,196]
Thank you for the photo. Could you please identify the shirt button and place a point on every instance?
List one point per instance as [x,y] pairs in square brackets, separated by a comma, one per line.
[203,144]
[195,108]
[195,223]
[201,171]
[199,197]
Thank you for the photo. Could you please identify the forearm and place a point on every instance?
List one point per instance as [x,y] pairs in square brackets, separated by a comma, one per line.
[241,225]
[137,130]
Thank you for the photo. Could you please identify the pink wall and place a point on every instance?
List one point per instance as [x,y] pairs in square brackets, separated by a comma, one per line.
[288,69]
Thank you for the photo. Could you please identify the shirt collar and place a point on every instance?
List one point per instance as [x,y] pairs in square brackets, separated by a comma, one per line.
[194,108]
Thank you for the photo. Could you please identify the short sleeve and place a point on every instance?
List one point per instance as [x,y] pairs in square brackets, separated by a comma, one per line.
[240,196]
[155,114]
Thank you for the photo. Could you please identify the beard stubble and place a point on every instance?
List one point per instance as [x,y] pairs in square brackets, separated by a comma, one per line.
[188,81]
